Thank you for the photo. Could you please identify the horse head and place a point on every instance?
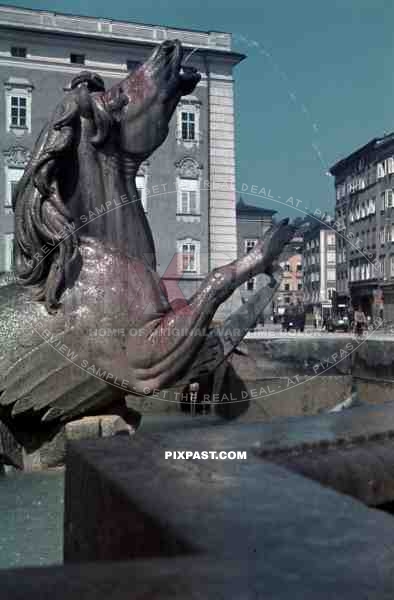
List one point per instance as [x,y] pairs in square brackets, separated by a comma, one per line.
[87,154]
[147,98]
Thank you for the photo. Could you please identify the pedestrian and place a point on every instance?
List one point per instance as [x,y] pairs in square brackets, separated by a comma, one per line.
[360,321]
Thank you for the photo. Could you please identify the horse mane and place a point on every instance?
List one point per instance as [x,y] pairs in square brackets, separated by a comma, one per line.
[42,219]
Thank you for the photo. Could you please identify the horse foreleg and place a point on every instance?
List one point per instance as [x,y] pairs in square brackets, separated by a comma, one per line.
[177,337]
[223,281]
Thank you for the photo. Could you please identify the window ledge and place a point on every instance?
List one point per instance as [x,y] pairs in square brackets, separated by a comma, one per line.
[18,131]
[188,217]
[190,274]
[189,143]
[188,214]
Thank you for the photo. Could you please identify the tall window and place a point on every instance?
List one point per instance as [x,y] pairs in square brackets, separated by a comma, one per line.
[6,252]
[188,125]
[13,175]
[331,274]
[188,196]
[189,255]
[18,93]
[380,171]
[385,168]
[18,111]
[331,257]
[249,245]
[188,118]
[189,201]
[389,198]
[140,183]
[331,239]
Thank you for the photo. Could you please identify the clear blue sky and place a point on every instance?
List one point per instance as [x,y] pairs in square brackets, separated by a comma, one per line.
[325,87]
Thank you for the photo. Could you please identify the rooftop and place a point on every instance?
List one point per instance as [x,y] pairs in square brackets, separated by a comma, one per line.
[253,207]
[103,27]
[372,144]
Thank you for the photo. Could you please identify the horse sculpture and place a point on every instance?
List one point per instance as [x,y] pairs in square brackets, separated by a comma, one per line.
[76,274]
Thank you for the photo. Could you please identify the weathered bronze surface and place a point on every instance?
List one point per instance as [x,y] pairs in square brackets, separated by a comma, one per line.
[85,260]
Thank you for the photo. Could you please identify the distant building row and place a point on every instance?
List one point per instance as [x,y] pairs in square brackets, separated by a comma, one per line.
[253,220]
[364,184]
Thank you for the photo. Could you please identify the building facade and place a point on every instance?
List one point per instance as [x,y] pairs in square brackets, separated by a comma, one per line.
[290,292]
[364,184]
[194,219]
[253,220]
[319,270]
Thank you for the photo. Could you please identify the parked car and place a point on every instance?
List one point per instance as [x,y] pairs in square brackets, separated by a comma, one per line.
[340,323]
[293,320]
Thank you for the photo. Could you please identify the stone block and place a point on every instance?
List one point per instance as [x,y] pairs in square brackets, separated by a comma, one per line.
[51,452]
[278,534]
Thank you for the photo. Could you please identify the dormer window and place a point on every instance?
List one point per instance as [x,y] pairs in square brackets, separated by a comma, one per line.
[77,59]
[18,52]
